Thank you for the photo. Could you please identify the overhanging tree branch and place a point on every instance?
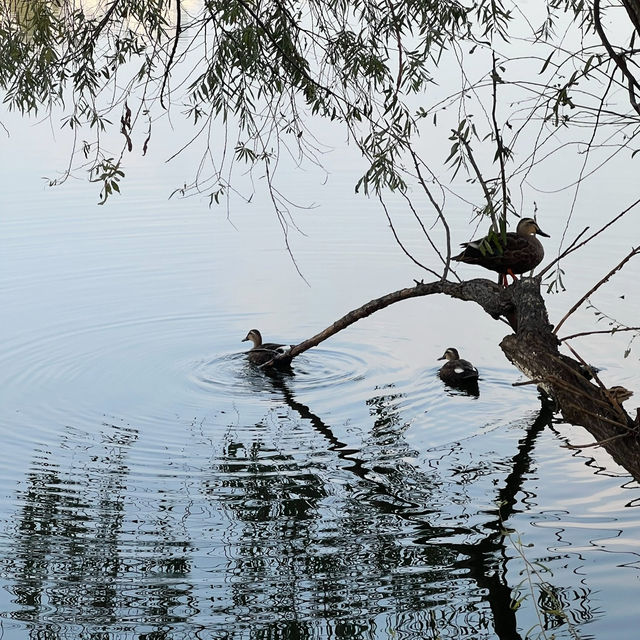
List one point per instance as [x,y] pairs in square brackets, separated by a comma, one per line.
[619,60]
[631,254]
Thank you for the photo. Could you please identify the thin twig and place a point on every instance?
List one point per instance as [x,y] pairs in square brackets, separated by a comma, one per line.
[167,69]
[105,18]
[566,252]
[591,333]
[481,180]
[598,443]
[609,403]
[573,389]
[499,144]
[601,417]
[593,235]
[611,400]
[619,266]
[619,60]
[438,208]
[399,242]
[590,396]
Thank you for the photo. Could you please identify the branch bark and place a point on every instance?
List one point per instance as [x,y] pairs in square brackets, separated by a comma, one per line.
[533,349]
[489,295]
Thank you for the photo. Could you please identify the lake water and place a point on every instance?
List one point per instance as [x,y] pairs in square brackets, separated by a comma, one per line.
[156,486]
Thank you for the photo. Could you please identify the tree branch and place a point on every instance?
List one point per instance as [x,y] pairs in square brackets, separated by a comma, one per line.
[107,16]
[619,60]
[619,266]
[573,248]
[167,69]
[500,151]
[495,300]
[591,333]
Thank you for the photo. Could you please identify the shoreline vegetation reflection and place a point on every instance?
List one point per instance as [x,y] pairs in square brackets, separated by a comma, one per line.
[83,560]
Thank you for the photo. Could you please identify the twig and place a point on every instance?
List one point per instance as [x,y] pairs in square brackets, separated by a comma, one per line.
[482,182]
[598,443]
[499,144]
[610,403]
[105,18]
[566,252]
[438,208]
[619,266]
[619,60]
[584,363]
[591,333]
[573,389]
[601,417]
[399,242]
[167,69]
[593,235]
[611,400]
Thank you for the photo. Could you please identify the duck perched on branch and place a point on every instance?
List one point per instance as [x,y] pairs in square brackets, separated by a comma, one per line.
[262,353]
[519,252]
[456,371]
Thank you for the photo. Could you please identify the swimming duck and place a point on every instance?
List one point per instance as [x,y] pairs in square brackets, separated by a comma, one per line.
[455,370]
[262,353]
[522,251]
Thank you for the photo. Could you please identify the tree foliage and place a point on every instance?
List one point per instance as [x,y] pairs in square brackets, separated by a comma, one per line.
[265,69]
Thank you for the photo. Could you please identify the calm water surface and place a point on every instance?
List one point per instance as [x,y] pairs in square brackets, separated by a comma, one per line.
[155,486]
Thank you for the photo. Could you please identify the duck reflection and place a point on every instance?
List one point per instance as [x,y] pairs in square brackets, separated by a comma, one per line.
[470,389]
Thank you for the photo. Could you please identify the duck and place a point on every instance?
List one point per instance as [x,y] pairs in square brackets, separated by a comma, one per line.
[262,353]
[456,370]
[521,252]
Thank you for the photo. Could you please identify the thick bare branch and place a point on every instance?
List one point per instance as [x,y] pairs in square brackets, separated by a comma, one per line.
[495,300]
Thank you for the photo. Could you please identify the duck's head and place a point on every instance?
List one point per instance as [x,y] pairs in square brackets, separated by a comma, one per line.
[255,336]
[529,227]
[450,354]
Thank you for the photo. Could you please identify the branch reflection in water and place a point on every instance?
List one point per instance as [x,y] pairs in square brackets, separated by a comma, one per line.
[268,537]
[385,487]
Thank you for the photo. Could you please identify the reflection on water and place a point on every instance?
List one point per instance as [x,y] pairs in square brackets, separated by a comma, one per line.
[305,530]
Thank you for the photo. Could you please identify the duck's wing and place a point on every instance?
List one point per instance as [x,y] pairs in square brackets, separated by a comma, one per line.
[466,369]
[481,252]
[276,348]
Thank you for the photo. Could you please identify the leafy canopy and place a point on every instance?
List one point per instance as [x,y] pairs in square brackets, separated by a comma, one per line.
[391,72]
